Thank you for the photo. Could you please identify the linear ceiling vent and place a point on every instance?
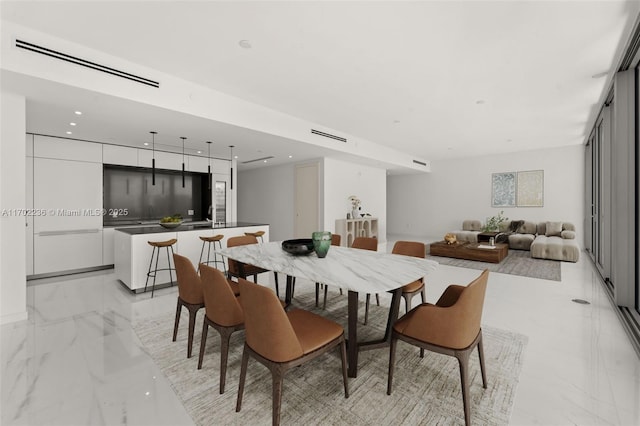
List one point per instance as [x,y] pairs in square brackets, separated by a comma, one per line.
[422,163]
[258,159]
[328,135]
[83,62]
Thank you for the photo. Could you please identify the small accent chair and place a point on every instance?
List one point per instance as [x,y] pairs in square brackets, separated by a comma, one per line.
[222,312]
[450,327]
[190,295]
[335,241]
[415,249]
[283,340]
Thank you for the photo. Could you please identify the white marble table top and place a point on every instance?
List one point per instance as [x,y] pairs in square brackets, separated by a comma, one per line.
[353,269]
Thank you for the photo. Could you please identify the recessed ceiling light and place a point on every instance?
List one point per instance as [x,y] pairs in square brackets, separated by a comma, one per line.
[264,161]
[245,44]
[72,124]
[235,156]
[146,144]
[199,152]
[68,133]
[78,112]
[291,156]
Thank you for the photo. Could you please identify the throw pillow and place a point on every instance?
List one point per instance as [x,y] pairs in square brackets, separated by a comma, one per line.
[553,229]
[568,235]
[515,224]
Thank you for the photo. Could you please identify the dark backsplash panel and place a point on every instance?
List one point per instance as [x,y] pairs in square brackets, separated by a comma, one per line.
[130,198]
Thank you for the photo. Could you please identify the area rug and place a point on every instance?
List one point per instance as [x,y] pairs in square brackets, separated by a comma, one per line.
[426,391]
[517,262]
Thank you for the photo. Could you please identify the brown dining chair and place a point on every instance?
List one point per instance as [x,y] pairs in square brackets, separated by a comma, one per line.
[283,340]
[222,312]
[366,243]
[189,295]
[415,249]
[335,241]
[247,270]
[450,327]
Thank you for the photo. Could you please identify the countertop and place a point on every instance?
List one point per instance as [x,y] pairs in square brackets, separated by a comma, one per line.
[157,229]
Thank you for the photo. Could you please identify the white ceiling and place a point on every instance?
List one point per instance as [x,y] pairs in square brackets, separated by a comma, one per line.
[437,80]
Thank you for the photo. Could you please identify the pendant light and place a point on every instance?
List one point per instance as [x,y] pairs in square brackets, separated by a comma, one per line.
[209,166]
[231,146]
[153,159]
[183,138]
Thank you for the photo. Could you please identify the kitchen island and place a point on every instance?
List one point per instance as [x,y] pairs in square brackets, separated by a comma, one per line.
[132,253]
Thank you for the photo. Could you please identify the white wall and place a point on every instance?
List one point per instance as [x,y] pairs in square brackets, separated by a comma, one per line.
[431,205]
[343,179]
[266,196]
[13,285]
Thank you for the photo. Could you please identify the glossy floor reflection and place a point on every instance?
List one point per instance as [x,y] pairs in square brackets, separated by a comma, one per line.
[76,360]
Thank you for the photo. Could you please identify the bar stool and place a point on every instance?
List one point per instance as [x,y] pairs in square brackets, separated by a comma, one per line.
[212,240]
[257,234]
[157,245]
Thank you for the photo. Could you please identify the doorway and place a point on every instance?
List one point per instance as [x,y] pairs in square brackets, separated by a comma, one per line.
[307,200]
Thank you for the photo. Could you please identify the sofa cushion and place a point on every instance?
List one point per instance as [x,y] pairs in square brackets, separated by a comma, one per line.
[553,229]
[515,225]
[568,235]
[471,225]
[521,241]
[555,248]
[527,228]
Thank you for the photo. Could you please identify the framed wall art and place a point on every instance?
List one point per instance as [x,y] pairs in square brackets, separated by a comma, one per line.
[503,189]
[530,188]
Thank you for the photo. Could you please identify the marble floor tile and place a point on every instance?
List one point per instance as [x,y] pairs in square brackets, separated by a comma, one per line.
[76,360]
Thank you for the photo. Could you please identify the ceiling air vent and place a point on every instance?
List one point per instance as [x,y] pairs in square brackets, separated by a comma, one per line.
[83,62]
[422,163]
[258,159]
[328,135]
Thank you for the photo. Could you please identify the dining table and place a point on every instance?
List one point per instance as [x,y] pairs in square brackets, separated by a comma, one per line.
[357,271]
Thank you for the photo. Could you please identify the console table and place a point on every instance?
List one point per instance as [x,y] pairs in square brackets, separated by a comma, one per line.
[349,229]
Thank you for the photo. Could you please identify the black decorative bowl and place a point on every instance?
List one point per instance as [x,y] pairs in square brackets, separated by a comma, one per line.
[301,246]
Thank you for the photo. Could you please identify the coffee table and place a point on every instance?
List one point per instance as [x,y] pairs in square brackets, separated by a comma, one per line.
[470,251]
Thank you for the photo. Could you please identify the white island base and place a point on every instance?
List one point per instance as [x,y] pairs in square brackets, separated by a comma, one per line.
[133,253]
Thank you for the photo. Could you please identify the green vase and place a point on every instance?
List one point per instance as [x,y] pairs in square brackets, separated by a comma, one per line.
[321,242]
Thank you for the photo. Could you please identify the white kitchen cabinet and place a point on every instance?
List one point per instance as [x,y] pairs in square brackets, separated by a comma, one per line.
[67,250]
[120,155]
[70,192]
[198,164]
[66,149]
[108,246]
[164,160]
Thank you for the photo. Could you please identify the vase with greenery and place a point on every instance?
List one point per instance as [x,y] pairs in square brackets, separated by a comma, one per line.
[493,223]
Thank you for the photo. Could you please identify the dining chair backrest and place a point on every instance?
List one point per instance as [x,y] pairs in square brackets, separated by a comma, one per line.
[189,285]
[221,305]
[365,243]
[242,240]
[468,308]
[410,248]
[335,239]
[268,331]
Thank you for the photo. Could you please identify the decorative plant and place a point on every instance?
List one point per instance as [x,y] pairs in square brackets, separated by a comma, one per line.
[493,223]
[355,202]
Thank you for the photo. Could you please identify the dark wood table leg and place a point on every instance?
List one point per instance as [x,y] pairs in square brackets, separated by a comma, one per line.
[289,292]
[352,347]
[393,313]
